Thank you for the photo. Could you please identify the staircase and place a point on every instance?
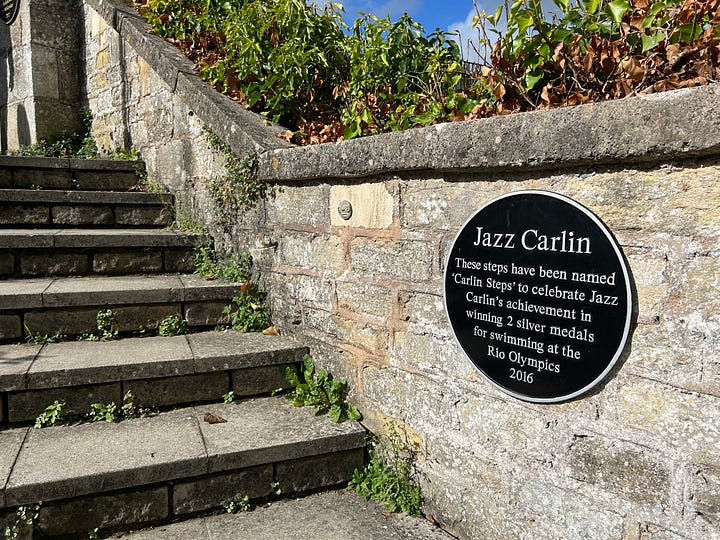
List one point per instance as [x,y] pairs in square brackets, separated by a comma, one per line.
[75,240]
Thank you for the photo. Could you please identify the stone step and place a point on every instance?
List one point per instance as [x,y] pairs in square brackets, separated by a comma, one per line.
[61,173]
[54,208]
[80,252]
[337,514]
[159,371]
[69,305]
[159,468]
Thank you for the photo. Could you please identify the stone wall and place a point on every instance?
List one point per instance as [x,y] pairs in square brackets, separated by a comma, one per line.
[636,458]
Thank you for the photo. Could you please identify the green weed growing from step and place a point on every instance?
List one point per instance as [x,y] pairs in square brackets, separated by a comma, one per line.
[36,338]
[228,397]
[275,488]
[173,325]
[79,144]
[239,503]
[53,415]
[235,268]
[26,516]
[105,320]
[248,312]
[239,187]
[319,390]
[110,412]
[184,218]
[388,477]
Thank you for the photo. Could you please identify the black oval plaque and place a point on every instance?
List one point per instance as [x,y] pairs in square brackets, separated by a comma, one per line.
[9,10]
[538,295]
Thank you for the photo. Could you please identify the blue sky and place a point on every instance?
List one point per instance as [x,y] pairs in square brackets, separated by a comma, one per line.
[448,15]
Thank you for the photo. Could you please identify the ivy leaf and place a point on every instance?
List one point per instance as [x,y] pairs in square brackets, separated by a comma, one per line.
[651,41]
[616,9]
[533,77]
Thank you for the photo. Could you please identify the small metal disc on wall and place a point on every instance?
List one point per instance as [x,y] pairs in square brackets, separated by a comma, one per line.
[538,295]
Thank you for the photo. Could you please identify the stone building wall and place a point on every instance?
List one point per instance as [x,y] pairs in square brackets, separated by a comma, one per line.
[41,96]
[636,458]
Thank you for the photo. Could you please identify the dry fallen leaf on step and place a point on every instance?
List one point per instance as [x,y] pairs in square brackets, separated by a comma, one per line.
[211,418]
[271,331]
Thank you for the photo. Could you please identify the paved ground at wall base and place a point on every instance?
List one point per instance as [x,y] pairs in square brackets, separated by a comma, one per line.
[335,515]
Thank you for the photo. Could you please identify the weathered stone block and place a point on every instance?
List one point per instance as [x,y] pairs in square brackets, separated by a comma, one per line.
[133,318]
[6,178]
[48,179]
[78,516]
[663,415]
[407,260]
[318,471]
[205,313]
[425,313]
[620,468]
[305,290]
[7,263]
[128,262]
[177,390]
[82,215]
[50,264]
[64,321]
[110,180]
[365,299]
[212,492]
[155,216]
[180,260]
[297,205]
[10,327]
[321,253]
[24,215]
[259,380]
[437,204]
[705,494]
[25,406]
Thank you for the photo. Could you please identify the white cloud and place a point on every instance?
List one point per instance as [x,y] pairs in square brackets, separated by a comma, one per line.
[466,36]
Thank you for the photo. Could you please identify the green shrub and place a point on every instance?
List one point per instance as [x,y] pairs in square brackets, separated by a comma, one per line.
[593,50]
[235,268]
[297,64]
[248,312]
[53,415]
[173,325]
[388,477]
[79,144]
[319,390]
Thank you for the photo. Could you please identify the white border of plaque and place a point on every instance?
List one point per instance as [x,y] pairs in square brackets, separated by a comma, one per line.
[609,359]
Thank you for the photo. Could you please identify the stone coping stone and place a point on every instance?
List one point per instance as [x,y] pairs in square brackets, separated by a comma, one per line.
[71,461]
[332,515]
[111,291]
[77,363]
[69,163]
[634,129]
[57,196]
[95,238]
